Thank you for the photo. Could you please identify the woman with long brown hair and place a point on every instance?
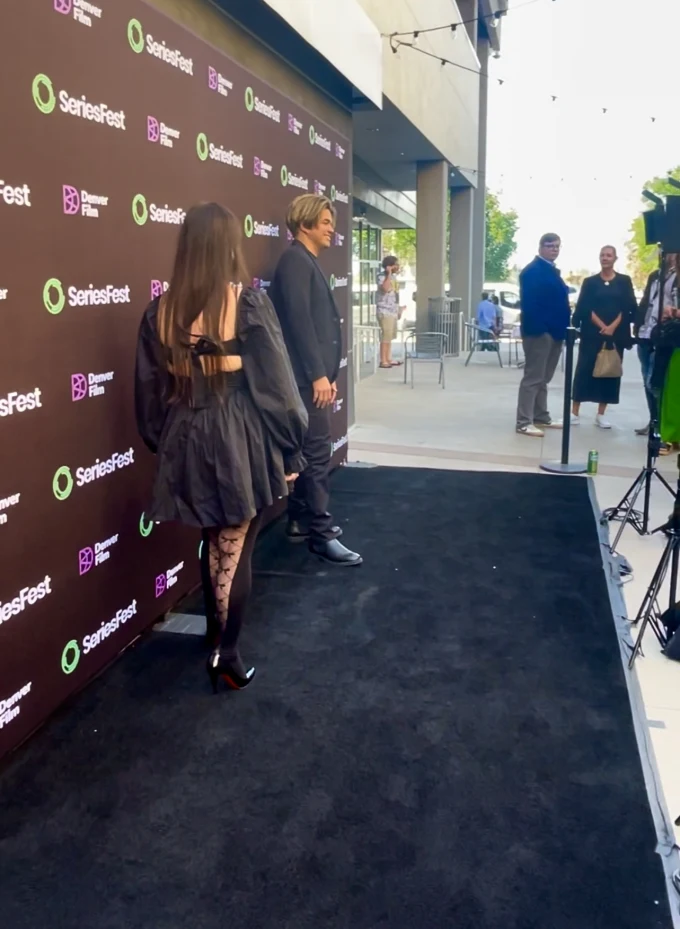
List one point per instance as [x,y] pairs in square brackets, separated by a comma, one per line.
[216,401]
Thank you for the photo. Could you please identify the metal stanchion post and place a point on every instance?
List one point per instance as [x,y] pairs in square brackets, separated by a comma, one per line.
[564,466]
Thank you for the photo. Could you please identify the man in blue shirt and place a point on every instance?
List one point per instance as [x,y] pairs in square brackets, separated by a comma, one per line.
[488,319]
[545,315]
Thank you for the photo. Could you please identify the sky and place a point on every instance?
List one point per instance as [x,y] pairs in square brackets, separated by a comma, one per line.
[565,166]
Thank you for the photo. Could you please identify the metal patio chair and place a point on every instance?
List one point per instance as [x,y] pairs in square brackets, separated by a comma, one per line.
[482,337]
[425,347]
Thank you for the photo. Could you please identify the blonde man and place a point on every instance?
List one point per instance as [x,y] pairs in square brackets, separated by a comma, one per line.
[312,331]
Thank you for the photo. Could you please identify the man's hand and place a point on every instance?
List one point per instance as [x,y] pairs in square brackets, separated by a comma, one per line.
[334,388]
[323,392]
[291,477]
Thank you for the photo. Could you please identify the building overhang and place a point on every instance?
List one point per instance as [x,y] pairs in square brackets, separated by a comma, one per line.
[489,24]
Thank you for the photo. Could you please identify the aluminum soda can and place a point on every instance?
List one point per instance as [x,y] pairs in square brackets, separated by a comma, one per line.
[593,458]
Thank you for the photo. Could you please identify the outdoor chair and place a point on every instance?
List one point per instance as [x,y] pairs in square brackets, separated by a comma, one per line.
[480,338]
[425,347]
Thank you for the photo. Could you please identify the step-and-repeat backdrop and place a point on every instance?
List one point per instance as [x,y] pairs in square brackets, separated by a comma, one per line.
[114,121]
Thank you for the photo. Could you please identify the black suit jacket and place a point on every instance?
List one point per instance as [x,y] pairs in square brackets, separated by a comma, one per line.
[309,318]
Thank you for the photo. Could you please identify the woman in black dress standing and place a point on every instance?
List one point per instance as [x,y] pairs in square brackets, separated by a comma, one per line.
[604,313]
[217,403]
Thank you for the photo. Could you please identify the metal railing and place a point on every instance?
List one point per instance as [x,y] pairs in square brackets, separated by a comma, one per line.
[366,343]
[445,315]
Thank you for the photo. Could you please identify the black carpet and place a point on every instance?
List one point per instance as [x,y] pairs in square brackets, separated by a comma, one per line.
[440,738]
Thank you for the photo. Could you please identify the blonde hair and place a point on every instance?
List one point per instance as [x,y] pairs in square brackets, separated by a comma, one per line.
[305,212]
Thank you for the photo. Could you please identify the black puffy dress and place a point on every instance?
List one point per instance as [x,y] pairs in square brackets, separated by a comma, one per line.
[223,457]
[606,300]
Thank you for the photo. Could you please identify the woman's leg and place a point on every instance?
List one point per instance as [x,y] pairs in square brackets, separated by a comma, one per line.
[601,409]
[576,407]
[212,624]
[231,552]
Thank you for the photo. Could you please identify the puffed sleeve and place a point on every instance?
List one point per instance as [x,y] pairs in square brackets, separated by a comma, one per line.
[150,383]
[270,377]
[582,311]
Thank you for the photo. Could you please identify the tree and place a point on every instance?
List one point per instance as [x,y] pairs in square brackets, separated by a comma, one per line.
[643,258]
[501,232]
[501,229]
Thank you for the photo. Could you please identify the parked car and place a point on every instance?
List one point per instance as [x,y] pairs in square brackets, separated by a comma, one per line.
[508,300]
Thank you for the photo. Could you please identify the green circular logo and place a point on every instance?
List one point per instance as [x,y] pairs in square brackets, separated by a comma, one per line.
[145,529]
[333,191]
[43,93]
[250,99]
[202,146]
[54,302]
[140,212]
[312,135]
[70,657]
[62,483]
[284,176]
[135,35]
[248,226]
[332,281]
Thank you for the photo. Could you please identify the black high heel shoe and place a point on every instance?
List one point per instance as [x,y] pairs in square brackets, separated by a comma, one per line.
[221,668]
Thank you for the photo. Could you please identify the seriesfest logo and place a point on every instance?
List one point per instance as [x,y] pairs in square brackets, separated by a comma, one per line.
[142,212]
[63,482]
[89,385]
[218,82]
[290,179]
[159,132]
[55,297]
[261,106]
[145,526]
[94,555]
[27,596]
[170,56]
[315,138]
[80,203]
[206,150]
[15,195]
[45,99]
[73,650]
[251,228]
[338,196]
[15,402]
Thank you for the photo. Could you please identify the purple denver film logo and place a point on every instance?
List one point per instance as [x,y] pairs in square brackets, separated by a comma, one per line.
[256,283]
[85,560]
[153,129]
[71,200]
[78,387]
[63,6]
[161,585]
[257,166]
[156,289]
[291,123]
[212,78]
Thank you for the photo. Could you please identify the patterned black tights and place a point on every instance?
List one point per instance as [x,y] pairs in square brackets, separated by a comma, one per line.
[230,555]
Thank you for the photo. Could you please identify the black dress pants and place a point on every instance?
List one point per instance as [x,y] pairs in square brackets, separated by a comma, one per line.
[308,503]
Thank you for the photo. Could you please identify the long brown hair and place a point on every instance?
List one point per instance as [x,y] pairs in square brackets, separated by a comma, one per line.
[209,258]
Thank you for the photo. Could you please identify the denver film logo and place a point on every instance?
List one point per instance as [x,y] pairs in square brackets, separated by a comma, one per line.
[218,82]
[83,11]
[158,288]
[158,132]
[168,579]
[91,385]
[92,556]
[79,202]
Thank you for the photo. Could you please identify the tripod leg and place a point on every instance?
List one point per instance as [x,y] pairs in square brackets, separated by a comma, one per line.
[650,598]
[664,482]
[633,493]
[645,511]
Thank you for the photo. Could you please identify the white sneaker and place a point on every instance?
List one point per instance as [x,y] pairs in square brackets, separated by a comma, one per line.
[574,420]
[602,422]
[533,431]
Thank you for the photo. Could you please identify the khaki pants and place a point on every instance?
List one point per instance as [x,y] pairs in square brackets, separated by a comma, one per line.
[388,328]
[541,354]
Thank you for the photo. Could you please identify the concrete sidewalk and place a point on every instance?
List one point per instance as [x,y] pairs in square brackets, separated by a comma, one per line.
[471,426]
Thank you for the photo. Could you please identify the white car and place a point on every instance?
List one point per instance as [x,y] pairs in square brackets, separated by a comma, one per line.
[508,300]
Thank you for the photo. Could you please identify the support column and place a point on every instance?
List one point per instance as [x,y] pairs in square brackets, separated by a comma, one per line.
[479,226]
[460,255]
[469,11]
[431,206]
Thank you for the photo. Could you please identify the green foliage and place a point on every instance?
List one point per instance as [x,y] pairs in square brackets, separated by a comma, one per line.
[501,232]
[643,259]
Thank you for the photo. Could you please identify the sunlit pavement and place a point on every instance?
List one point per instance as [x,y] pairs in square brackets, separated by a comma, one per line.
[470,426]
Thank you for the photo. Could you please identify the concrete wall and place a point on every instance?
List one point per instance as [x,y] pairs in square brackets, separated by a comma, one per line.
[443,102]
[206,21]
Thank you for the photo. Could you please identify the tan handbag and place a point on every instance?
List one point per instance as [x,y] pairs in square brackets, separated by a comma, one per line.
[608,363]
